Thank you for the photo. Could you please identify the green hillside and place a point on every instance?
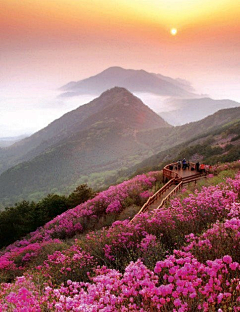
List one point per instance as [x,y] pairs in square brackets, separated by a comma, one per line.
[104,147]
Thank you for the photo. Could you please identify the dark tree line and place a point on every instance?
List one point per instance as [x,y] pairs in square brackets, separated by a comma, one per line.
[26,217]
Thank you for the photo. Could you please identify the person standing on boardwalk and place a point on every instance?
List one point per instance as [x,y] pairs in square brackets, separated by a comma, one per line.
[184,164]
[202,168]
[197,166]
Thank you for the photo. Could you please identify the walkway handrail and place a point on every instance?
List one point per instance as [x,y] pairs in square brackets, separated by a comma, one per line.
[169,173]
[175,190]
[154,197]
[193,178]
[185,180]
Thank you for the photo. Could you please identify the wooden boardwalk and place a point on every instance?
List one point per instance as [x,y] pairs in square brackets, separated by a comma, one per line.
[176,179]
[158,202]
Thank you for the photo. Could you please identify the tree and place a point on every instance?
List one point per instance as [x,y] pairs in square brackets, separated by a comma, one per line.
[81,194]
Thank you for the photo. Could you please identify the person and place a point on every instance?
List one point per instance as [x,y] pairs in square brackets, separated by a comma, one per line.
[179,164]
[197,166]
[184,163]
[202,168]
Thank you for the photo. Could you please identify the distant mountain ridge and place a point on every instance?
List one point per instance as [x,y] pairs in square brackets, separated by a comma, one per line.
[189,110]
[182,105]
[133,80]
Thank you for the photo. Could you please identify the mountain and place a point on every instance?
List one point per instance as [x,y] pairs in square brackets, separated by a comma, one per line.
[116,104]
[89,145]
[133,80]
[165,138]
[188,110]
[220,142]
[96,137]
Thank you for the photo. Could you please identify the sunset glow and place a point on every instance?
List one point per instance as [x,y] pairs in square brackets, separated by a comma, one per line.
[49,43]
[174,31]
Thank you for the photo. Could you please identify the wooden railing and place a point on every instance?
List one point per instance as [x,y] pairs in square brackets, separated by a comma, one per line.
[185,180]
[194,178]
[155,197]
[174,179]
[168,173]
[167,198]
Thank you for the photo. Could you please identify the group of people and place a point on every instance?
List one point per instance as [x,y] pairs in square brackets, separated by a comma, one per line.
[184,164]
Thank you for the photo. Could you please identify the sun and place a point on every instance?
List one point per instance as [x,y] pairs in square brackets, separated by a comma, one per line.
[173,31]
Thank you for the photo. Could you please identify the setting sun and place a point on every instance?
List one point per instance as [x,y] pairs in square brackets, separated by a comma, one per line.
[174,31]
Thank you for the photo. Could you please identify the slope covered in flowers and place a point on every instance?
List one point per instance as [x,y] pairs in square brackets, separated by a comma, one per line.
[180,258]
[109,203]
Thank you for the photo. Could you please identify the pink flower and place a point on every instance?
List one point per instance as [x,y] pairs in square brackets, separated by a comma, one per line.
[177,302]
[227,259]
[233,266]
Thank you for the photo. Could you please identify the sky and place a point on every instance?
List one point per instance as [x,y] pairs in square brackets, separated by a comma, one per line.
[45,44]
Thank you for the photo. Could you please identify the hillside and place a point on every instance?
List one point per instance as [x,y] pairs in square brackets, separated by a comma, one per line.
[107,144]
[164,139]
[133,80]
[216,144]
[189,110]
[185,252]
[99,136]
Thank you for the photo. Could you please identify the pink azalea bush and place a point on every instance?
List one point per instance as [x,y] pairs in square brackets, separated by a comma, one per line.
[219,239]
[179,283]
[16,258]
[72,263]
[22,295]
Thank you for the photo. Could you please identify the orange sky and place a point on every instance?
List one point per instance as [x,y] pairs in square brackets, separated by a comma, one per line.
[54,41]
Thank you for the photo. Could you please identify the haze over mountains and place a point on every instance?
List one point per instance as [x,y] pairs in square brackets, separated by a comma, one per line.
[188,110]
[175,99]
[96,137]
[27,110]
[8,141]
[112,132]
[133,80]
[116,105]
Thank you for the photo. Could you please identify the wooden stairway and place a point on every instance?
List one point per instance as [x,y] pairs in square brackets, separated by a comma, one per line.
[177,179]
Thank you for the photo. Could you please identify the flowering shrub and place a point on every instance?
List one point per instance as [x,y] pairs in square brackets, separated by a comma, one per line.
[20,296]
[179,283]
[17,257]
[112,200]
[123,241]
[73,263]
[214,243]
[216,169]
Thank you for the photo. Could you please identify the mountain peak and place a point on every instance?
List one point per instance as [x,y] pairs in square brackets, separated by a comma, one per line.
[133,80]
[116,90]
[122,106]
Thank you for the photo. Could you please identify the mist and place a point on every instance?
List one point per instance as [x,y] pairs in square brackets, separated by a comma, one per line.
[24,112]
